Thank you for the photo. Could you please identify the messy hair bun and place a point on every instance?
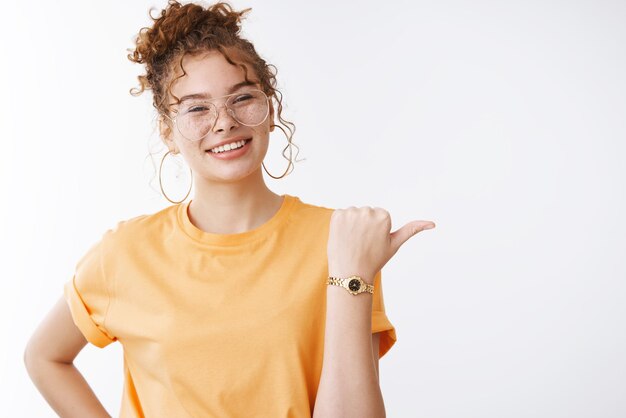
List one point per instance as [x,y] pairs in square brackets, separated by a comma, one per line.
[192,29]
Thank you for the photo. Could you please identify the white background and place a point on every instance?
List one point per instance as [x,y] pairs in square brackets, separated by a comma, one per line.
[501,121]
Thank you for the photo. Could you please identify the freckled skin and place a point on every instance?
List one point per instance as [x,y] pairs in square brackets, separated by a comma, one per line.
[210,72]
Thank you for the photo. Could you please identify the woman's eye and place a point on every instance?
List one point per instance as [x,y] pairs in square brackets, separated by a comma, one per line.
[196,109]
[242,98]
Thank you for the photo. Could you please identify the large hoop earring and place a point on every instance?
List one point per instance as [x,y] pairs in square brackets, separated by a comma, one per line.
[161,183]
[290,153]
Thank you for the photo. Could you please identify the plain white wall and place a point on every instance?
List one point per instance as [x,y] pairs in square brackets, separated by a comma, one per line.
[501,121]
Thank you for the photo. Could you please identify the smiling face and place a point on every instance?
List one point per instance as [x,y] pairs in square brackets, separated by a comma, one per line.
[211,75]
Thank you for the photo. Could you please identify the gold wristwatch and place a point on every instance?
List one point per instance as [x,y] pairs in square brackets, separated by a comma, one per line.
[353,284]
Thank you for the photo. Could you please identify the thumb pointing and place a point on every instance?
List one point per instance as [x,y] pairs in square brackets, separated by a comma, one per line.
[402,235]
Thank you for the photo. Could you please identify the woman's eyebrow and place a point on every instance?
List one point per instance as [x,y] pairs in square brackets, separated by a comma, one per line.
[208,96]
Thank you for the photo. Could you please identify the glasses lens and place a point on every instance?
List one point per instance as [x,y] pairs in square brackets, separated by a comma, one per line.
[196,119]
[250,108]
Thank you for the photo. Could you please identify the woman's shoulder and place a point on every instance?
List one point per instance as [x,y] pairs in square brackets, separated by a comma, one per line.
[142,225]
[305,204]
[312,213]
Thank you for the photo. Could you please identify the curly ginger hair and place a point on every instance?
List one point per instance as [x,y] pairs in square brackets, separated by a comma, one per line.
[191,29]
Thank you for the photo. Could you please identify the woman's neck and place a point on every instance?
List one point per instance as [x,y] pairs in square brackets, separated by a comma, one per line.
[230,208]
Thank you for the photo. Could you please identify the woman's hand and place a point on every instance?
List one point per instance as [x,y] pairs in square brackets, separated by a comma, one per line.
[360,242]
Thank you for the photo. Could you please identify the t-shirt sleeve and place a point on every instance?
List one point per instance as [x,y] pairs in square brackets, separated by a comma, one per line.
[88,296]
[380,322]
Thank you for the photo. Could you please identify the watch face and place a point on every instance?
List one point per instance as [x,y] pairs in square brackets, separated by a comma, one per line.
[354,285]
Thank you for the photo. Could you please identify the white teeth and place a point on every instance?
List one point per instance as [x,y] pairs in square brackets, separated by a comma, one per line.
[228,147]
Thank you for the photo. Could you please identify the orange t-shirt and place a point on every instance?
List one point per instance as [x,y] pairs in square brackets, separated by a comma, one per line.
[214,325]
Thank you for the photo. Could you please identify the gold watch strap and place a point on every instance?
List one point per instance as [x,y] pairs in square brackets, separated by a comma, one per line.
[353,284]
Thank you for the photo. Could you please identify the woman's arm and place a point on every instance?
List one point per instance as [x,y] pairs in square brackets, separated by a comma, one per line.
[375,350]
[49,357]
[360,242]
[349,382]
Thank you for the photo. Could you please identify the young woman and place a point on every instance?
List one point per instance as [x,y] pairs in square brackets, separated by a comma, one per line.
[240,302]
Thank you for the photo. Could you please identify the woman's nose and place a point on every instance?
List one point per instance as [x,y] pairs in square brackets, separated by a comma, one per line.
[224,119]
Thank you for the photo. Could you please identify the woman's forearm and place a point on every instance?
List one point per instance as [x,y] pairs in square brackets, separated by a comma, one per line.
[348,384]
[65,389]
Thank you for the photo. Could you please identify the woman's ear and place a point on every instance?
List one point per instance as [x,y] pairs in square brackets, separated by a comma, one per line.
[271,117]
[165,132]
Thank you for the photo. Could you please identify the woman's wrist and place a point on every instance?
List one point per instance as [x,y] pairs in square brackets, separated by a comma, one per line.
[344,272]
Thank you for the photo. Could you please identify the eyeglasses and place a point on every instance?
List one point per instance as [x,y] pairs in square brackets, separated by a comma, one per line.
[196,118]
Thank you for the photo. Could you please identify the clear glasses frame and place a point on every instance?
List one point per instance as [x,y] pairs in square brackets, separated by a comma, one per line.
[217,109]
